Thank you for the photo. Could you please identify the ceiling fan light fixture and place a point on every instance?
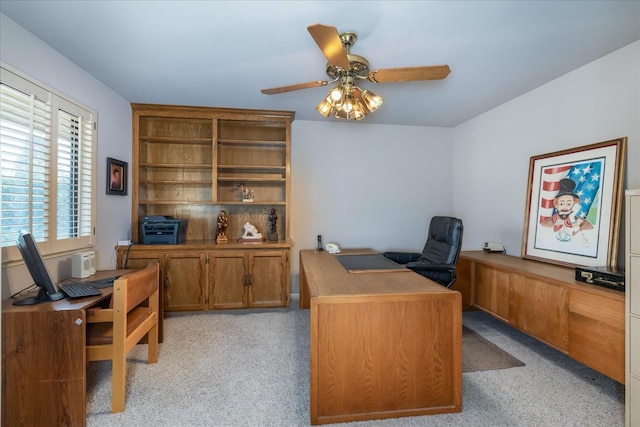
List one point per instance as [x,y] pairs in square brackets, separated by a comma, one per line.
[371,100]
[358,111]
[342,114]
[353,115]
[347,101]
[325,107]
[347,104]
[336,94]
[354,110]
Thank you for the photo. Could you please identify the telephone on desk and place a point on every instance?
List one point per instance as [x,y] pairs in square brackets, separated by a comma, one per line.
[493,247]
[332,248]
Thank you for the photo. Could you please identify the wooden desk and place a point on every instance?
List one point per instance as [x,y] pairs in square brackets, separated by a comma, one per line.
[382,344]
[44,360]
[584,321]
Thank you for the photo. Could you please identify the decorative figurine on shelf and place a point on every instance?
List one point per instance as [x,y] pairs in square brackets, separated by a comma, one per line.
[273,226]
[247,195]
[250,232]
[221,230]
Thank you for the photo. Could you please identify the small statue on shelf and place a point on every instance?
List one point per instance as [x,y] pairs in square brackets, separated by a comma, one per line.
[246,194]
[221,229]
[250,232]
[273,226]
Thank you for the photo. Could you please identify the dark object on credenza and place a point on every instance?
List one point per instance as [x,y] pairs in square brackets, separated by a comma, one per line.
[163,230]
[272,236]
[440,253]
[221,228]
[609,277]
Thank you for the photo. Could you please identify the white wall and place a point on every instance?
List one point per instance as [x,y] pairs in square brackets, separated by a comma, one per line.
[364,185]
[32,56]
[597,102]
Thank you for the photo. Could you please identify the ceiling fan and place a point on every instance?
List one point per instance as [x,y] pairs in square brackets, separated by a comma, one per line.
[346,100]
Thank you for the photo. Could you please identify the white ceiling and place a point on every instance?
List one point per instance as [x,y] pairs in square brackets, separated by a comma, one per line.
[221,53]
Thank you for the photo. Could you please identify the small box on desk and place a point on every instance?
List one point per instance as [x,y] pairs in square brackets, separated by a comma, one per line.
[163,230]
[83,264]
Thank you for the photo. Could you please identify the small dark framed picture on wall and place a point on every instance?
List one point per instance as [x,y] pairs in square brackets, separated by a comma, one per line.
[116,177]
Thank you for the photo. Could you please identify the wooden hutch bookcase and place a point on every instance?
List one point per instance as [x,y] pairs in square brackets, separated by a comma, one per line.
[188,163]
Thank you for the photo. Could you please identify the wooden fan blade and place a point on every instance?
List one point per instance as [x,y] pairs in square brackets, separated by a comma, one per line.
[291,88]
[329,42]
[408,74]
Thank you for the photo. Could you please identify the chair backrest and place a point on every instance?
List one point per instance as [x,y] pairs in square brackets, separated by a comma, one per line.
[444,240]
[134,293]
[113,332]
[140,285]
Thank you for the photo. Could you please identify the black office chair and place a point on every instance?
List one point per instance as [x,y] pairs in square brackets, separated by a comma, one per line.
[440,254]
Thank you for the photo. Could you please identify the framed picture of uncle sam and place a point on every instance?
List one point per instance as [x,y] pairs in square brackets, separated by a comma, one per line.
[574,202]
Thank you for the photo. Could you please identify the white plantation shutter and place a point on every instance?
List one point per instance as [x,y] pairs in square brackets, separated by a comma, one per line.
[87,176]
[25,126]
[75,174]
[47,157]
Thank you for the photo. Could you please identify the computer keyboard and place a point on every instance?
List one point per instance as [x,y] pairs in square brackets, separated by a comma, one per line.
[78,290]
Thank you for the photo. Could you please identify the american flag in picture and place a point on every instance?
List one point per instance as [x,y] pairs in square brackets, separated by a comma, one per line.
[586,174]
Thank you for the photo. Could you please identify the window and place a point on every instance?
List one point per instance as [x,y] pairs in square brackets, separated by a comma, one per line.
[47,159]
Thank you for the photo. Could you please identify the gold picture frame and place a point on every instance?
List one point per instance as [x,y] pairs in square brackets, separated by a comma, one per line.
[573,207]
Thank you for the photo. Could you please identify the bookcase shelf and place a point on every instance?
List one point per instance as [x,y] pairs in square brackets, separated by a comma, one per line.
[188,163]
[174,140]
[176,165]
[250,142]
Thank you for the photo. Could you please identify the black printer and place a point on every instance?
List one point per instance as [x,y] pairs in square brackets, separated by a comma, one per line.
[164,230]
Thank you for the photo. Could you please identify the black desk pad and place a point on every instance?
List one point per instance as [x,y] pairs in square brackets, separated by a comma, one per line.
[371,262]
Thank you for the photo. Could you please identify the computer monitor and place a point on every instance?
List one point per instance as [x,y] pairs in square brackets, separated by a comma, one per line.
[38,270]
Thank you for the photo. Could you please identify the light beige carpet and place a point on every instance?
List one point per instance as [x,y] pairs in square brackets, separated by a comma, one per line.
[480,354]
[226,369]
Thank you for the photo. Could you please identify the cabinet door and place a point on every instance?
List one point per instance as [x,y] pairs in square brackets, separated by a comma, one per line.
[184,281]
[136,258]
[228,280]
[596,333]
[541,309]
[491,291]
[139,260]
[269,279]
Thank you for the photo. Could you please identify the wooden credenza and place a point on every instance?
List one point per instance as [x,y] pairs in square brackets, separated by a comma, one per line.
[203,275]
[586,322]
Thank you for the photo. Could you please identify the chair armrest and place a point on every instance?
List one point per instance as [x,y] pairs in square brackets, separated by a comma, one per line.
[418,265]
[444,274]
[401,257]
